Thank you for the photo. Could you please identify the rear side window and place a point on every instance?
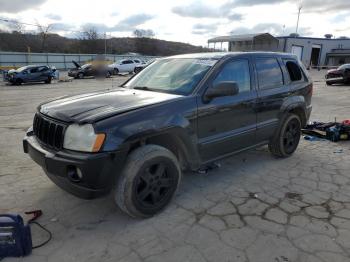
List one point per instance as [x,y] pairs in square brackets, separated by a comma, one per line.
[236,71]
[269,73]
[127,62]
[294,71]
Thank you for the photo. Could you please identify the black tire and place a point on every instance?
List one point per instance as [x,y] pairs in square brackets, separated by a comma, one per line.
[137,70]
[328,83]
[18,82]
[80,76]
[115,71]
[287,137]
[108,74]
[148,182]
[48,81]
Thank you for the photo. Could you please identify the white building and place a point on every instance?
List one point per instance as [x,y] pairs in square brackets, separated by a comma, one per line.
[311,51]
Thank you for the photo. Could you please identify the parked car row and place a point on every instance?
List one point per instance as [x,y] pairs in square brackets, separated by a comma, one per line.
[44,73]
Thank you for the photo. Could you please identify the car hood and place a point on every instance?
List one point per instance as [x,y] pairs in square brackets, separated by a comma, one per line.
[333,71]
[92,107]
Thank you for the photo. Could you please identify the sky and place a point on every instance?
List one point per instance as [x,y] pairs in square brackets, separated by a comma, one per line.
[189,21]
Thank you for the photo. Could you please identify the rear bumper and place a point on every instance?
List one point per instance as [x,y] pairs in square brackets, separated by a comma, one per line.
[308,113]
[98,170]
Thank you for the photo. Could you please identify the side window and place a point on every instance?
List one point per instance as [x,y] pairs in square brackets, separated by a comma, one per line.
[294,70]
[127,62]
[236,71]
[43,69]
[34,70]
[269,73]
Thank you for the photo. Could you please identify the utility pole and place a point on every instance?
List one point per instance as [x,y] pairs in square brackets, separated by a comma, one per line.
[299,10]
[105,44]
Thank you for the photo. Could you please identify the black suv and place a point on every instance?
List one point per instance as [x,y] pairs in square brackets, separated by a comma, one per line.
[179,113]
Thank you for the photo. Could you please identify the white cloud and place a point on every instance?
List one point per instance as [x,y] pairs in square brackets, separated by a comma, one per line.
[192,21]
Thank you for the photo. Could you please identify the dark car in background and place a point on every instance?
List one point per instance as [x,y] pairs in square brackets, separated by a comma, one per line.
[30,73]
[179,113]
[341,75]
[89,70]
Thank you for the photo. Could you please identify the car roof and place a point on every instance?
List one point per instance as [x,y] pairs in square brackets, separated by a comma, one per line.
[220,55]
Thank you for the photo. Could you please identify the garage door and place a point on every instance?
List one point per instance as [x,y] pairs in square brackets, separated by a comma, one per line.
[298,51]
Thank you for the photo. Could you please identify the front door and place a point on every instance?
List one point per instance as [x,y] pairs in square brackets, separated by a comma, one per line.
[228,124]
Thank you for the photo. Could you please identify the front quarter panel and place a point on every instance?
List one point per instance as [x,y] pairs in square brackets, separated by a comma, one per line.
[176,118]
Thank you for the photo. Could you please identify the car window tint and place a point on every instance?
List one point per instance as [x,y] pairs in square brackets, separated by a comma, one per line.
[127,62]
[34,70]
[235,71]
[269,73]
[42,69]
[136,61]
[294,71]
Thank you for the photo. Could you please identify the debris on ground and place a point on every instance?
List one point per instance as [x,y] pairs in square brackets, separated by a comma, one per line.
[333,131]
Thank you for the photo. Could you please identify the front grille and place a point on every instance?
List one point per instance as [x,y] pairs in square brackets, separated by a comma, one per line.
[49,132]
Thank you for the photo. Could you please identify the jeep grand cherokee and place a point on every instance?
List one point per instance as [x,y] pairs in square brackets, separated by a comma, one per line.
[180,113]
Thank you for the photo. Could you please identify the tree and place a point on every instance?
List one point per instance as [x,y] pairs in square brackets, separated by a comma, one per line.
[90,41]
[139,33]
[44,32]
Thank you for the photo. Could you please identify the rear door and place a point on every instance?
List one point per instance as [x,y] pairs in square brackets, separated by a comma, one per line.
[228,124]
[272,92]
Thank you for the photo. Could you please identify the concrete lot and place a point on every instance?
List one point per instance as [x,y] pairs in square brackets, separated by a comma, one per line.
[254,208]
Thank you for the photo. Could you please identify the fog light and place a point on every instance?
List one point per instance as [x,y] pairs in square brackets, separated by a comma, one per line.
[74,174]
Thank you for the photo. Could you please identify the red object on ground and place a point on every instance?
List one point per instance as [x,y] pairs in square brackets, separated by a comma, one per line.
[346,122]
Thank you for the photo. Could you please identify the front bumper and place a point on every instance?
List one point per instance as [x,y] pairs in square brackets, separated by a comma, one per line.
[99,170]
[72,73]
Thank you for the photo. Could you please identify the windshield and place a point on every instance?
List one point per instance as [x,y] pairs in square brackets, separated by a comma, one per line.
[23,68]
[344,66]
[85,66]
[172,75]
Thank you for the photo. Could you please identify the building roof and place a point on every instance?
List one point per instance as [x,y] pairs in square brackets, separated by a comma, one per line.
[245,37]
[314,38]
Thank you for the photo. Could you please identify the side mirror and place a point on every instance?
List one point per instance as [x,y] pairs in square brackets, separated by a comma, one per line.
[222,89]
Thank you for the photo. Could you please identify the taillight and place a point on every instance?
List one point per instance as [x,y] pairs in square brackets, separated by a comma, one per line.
[311,88]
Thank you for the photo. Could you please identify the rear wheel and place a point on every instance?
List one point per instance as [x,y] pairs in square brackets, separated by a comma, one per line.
[287,137]
[148,181]
[115,71]
[328,83]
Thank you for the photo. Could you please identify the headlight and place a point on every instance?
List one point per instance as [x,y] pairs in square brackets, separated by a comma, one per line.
[83,138]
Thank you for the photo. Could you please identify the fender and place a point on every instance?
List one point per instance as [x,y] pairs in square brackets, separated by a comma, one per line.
[294,103]
[172,125]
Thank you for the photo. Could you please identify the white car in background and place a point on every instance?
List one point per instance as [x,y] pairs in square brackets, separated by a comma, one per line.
[125,66]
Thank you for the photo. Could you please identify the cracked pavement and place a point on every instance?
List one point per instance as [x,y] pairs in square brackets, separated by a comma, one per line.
[253,208]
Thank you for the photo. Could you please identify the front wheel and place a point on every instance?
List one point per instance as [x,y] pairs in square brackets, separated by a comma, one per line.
[148,181]
[287,137]
[48,80]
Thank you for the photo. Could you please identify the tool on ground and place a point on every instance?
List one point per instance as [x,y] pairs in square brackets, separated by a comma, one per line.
[15,236]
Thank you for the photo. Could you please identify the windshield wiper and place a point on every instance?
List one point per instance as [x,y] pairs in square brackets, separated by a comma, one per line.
[141,88]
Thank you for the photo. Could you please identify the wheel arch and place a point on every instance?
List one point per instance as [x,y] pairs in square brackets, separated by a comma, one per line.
[173,139]
[295,105]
